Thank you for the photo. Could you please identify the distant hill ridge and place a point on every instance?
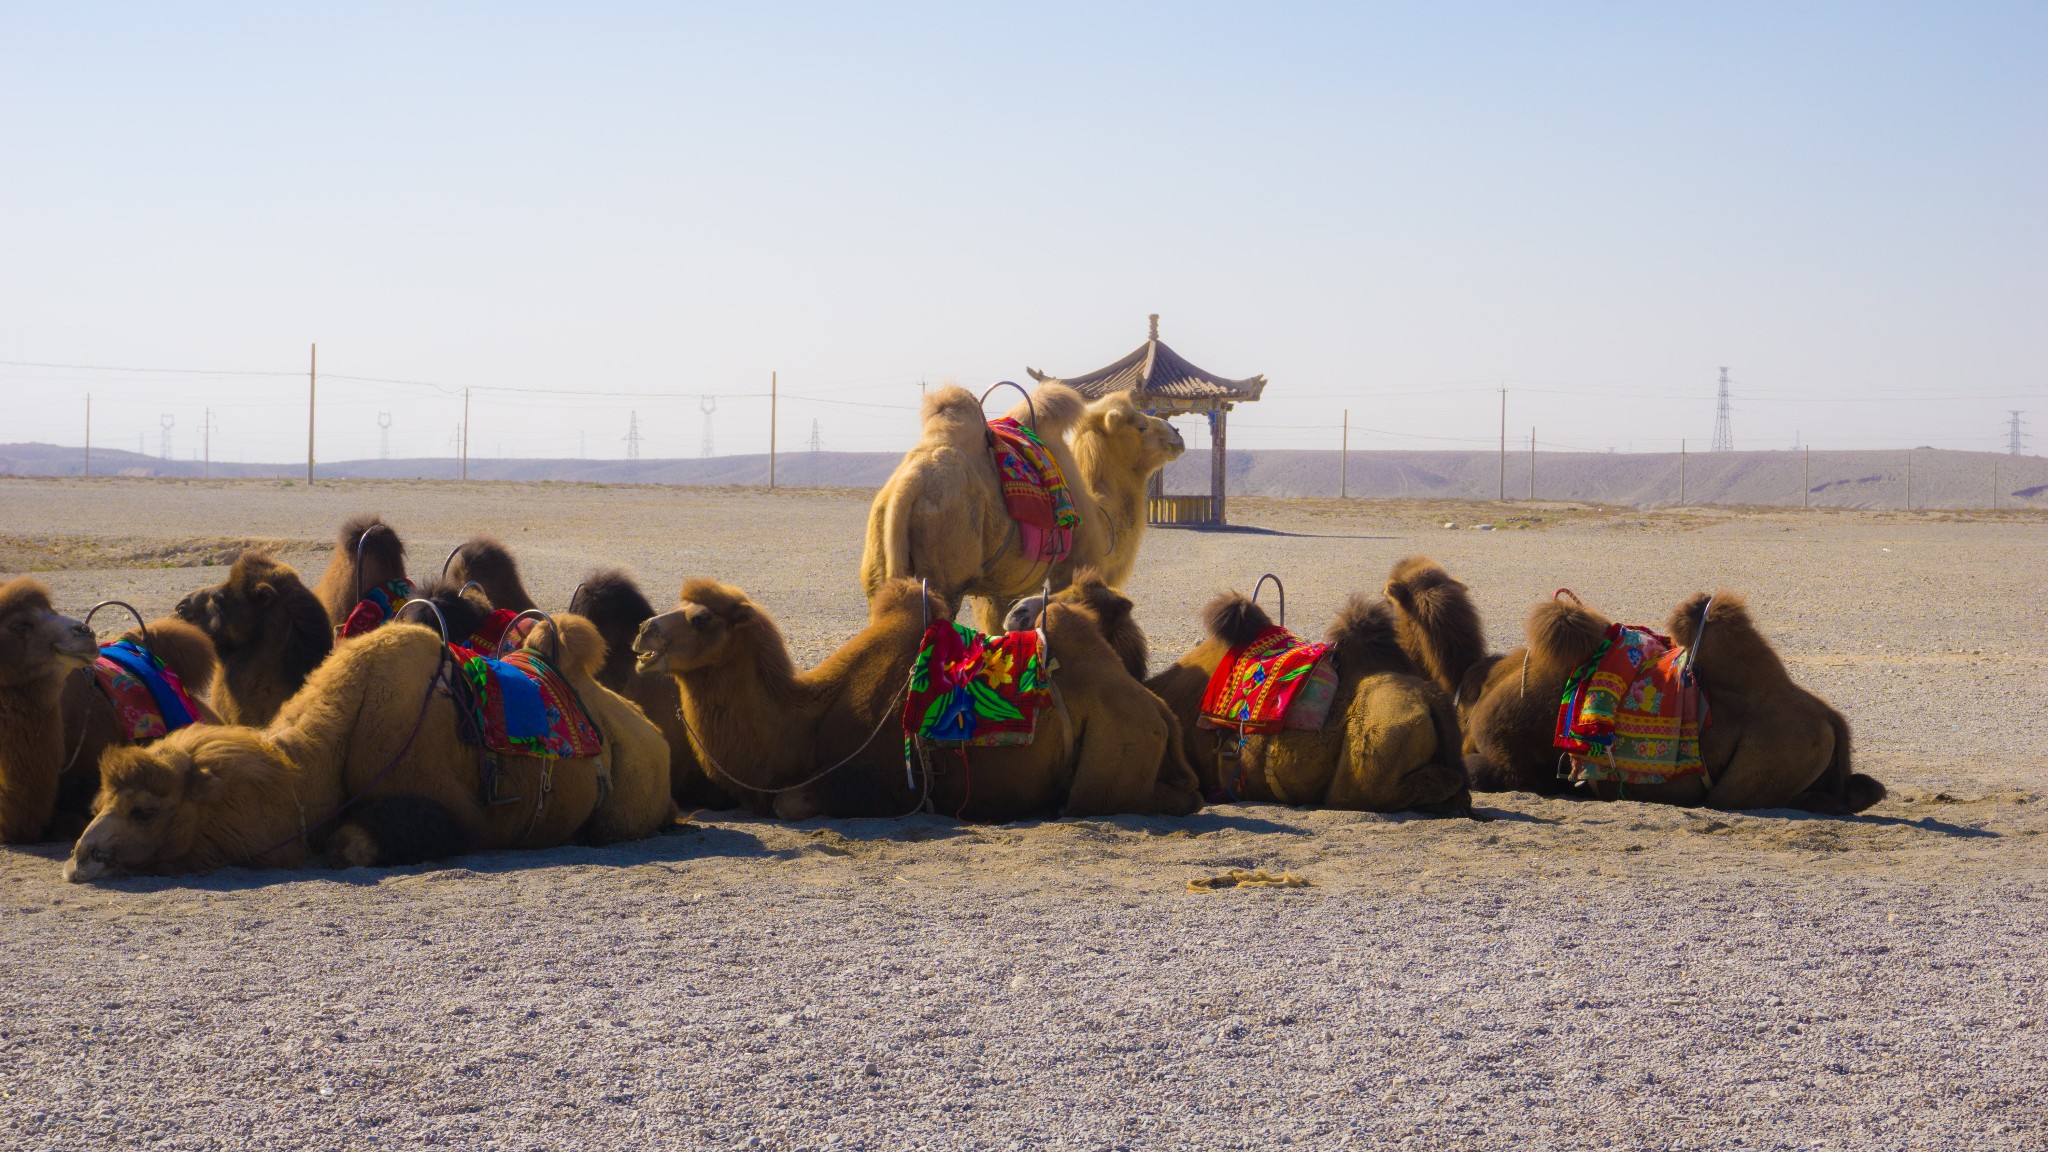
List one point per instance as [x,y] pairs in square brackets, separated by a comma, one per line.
[1850,479]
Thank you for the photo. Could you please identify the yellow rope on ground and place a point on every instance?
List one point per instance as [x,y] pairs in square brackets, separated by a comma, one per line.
[1239,878]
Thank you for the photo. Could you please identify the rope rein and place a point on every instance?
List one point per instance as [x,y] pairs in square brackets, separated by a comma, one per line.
[887,714]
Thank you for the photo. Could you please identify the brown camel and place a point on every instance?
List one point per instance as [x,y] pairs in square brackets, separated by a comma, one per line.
[1768,743]
[54,721]
[829,741]
[941,516]
[1391,743]
[270,632]
[366,764]
[1112,611]
[367,554]
[610,599]
[486,562]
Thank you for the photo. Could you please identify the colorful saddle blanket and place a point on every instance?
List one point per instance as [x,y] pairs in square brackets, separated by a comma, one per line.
[1277,681]
[502,630]
[376,606]
[1034,491]
[1633,713]
[967,688]
[147,696]
[520,706]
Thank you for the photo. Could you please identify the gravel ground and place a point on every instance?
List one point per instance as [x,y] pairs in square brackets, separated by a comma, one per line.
[1563,976]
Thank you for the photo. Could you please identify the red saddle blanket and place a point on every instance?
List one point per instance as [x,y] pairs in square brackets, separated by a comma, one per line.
[1277,681]
[1034,491]
[967,688]
[147,696]
[1633,713]
[377,605]
[520,706]
[501,630]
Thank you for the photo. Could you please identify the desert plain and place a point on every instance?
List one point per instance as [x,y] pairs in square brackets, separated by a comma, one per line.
[1562,975]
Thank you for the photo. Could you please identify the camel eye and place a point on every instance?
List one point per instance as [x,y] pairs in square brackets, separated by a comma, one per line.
[142,815]
[21,627]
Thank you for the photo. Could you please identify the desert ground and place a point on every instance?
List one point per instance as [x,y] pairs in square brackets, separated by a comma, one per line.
[1564,975]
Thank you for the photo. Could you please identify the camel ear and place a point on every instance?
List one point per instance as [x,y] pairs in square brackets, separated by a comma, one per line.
[265,595]
[1118,418]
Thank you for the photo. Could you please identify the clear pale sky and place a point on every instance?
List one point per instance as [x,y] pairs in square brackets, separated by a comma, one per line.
[1396,209]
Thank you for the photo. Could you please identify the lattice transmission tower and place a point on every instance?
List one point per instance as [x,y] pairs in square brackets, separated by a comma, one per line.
[2015,440]
[1724,426]
[163,443]
[708,404]
[633,437]
[383,435]
[817,439]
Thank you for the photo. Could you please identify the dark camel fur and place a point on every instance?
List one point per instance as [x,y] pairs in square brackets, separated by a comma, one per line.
[486,562]
[1112,609]
[269,630]
[611,600]
[345,582]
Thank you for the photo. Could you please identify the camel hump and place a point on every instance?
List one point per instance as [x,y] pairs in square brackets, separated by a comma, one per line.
[1366,638]
[368,535]
[1235,619]
[484,560]
[1713,610]
[953,415]
[1437,624]
[183,648]
[582,645]
[611,600]
[1564,634]
[1056,407]
[912,597]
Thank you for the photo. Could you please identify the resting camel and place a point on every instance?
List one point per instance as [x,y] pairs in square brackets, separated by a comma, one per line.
[486,562]
[1767,743]
[1391,743]
[610,599]
[346,581]
[830,741]
[941,515]
[366,765]
[269,630]
[54,721]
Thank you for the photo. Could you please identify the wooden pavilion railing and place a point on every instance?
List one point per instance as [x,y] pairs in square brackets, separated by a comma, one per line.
[1181,510]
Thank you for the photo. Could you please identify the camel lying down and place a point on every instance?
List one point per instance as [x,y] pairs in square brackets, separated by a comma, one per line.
[829,742]
[366,766]
[1768,743]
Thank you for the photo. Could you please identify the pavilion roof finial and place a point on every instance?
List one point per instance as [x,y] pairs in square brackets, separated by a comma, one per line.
[1155,327]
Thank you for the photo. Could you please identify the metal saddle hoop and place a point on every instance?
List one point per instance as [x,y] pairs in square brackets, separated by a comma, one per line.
[1281,588]
[1030,405]
[148,642]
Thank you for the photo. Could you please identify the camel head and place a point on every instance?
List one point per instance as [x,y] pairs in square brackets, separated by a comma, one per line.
[262,598]
[1113,433]
[156,801]
[1564,632]
[1110,608]
[706,628]
[38,646]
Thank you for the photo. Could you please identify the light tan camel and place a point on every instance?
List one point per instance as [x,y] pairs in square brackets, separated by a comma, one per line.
[270,632]
[366,764]
[830,742]
[941,517]
[54,720]
[1391,742]
[346,581]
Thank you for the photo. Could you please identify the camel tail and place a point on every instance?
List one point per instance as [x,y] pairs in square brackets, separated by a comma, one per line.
[1436,622]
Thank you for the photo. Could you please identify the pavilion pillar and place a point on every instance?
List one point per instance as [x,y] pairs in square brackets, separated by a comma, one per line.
[1217,472]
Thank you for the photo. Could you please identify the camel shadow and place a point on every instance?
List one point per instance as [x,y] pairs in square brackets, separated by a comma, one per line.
[1255,530]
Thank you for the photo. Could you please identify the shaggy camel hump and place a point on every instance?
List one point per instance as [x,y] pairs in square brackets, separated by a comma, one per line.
[1436,621]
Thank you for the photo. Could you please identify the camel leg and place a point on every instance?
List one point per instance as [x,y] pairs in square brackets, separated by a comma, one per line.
[396,830]
[1765,774]
[1115,770]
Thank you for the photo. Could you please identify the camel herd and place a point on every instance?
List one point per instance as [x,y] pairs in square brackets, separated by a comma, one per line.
[326,733]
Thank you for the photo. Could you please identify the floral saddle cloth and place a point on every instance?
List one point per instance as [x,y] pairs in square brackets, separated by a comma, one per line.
[971,689]
[1633,713]
[147,696]
[376,606]
[1034,491]
[520,706]
[1277,681]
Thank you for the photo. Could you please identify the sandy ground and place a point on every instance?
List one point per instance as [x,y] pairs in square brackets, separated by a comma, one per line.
[1566,975]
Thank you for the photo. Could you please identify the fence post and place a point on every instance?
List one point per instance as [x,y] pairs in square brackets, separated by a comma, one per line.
[1532,462]
[771,429]
[1806,493]
[312,390]
[1344,459]
[1681,471]
[88,434]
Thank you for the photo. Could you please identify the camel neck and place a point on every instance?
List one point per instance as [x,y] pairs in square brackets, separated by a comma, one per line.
[754,731]
[31,758]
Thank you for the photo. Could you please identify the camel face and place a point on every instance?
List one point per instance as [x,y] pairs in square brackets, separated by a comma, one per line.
[146,812]
[35,642]
[232,615]
[683,640]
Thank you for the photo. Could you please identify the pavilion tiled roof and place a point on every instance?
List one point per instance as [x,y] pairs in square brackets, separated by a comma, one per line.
[1156,370]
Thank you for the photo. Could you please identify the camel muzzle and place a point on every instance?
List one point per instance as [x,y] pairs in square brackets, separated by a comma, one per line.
[87,864]
[79,644]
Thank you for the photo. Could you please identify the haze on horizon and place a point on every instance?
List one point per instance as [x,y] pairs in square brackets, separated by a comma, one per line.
[588,212]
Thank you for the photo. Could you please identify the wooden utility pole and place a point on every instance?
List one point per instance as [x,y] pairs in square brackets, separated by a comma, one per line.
[312,391]
[1909,479]
[771,429]
[1681,470]
[88,433]
[206,438]
[1503,445]
[1344,459]
[1532,462]
[1994,485]
[1806,493]
[465,433]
